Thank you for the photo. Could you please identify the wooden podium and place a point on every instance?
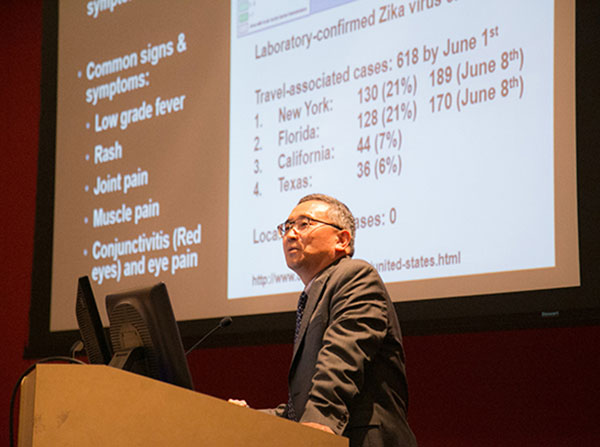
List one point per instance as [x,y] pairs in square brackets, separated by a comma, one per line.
[96,405]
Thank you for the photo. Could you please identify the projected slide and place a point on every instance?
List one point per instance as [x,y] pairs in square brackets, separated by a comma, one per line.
[186,131]
[432,120]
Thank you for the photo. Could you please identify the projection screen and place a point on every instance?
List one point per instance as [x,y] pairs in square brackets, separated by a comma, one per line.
[186,131]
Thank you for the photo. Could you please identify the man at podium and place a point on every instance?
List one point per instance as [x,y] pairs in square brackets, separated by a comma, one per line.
[347,374]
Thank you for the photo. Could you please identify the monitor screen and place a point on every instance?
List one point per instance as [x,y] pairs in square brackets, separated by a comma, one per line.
[97,346]
[145,336]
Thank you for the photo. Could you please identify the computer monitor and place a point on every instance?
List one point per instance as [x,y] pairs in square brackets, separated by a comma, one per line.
[145,337]
[95,342]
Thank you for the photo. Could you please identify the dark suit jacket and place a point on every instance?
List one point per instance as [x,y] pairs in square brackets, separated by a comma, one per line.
[347,370]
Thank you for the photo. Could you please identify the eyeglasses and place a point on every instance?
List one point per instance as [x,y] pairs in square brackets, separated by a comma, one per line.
[301,225]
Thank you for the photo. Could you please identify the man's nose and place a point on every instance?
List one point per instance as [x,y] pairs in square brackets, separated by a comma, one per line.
[292,233]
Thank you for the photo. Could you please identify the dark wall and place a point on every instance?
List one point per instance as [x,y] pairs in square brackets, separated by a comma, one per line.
[512,388]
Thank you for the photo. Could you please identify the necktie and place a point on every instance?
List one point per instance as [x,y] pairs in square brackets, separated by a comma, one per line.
[291,413]
[300,313]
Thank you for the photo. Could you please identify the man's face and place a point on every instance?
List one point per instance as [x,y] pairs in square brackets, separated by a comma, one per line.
[311,250]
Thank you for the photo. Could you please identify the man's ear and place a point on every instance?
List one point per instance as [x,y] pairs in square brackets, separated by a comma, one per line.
[343,241]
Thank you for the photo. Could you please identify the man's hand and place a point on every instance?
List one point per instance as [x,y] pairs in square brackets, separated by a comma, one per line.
[318,427]
[241,403]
